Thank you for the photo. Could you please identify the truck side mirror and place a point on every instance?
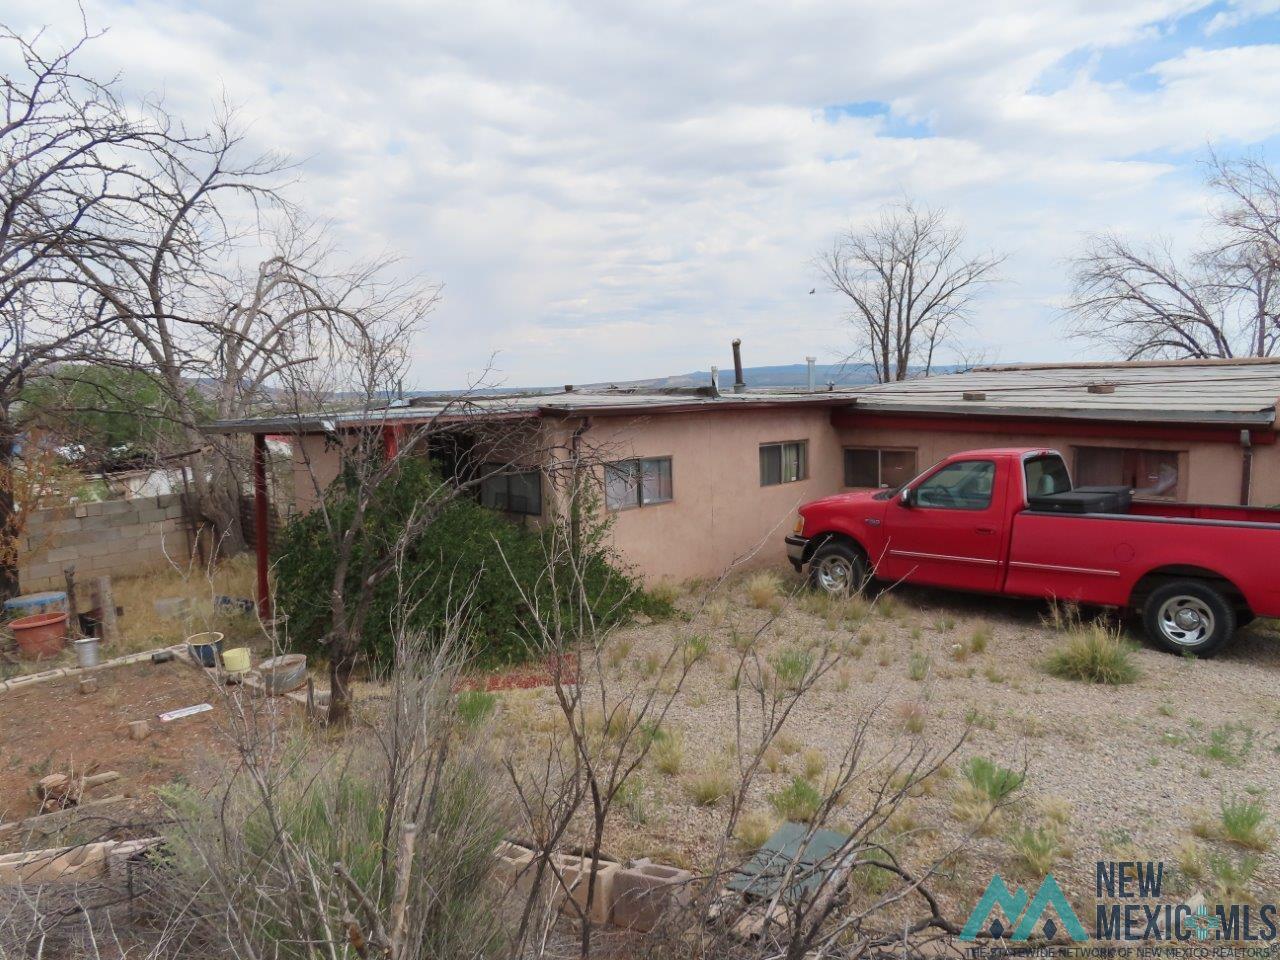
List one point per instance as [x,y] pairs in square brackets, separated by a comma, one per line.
[907,497]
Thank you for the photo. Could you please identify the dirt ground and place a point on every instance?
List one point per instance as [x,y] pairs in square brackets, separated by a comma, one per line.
[53,728]
[1136,771]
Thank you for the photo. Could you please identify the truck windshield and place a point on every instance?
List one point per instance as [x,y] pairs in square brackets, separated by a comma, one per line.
[1046,475]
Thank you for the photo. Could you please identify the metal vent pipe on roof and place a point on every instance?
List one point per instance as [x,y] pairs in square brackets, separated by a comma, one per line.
[813,373]
[739,384]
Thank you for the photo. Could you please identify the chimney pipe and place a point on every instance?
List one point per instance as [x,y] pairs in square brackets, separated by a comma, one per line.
[715,380]
[813,374]
[739,384]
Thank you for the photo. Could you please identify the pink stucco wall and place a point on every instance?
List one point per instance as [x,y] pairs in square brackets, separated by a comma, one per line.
[720,515]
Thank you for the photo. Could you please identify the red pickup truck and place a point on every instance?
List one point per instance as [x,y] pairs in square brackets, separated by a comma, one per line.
[1007,521]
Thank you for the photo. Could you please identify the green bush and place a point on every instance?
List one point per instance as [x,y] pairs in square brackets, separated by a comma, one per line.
[1094,654]
[466,551]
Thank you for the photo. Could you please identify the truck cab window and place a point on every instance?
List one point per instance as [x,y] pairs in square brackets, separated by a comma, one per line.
[1046,475]
[965,485]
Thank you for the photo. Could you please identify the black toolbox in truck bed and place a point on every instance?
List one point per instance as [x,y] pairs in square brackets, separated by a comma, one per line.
[1084,500]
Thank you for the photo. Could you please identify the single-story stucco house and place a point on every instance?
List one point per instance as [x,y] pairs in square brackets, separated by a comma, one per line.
[698,480]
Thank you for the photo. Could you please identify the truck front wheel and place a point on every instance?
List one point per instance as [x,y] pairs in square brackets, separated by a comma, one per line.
[837,569]
[1189,616]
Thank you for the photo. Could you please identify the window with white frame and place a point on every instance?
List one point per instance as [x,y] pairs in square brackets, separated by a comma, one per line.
[637,483]
[784,462]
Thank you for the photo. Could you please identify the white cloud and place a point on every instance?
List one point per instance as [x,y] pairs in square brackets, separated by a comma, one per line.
[613,189]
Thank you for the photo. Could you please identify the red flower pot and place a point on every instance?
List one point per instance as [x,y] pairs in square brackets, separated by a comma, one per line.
[40,636]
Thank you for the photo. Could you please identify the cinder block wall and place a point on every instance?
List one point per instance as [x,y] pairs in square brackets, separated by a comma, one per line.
[116,537]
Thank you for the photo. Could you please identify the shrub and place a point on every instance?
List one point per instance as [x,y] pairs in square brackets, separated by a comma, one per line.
[798,801]
[1231,878]
[990,779]
[1242,822]
[791,667]
[475,706]
[814,763]
[466,549]
[1094,654]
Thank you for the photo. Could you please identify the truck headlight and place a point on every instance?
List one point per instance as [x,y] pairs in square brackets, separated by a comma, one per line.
[799,526]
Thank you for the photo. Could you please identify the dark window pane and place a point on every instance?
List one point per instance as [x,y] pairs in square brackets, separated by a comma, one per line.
[493,492]
[1156,474]
[862,468]
[897,467]
[770,465]
[525,493]
[1100,467]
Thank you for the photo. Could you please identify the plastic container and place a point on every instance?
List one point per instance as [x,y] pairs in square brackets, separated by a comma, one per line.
[33,604]
[282,674]
[43,635]
[236,660]
[205,648]
[86,651]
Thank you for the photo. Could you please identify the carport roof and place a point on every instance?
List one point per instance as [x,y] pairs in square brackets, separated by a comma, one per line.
[1241,392]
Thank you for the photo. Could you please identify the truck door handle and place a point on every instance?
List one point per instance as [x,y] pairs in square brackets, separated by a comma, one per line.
[985,530]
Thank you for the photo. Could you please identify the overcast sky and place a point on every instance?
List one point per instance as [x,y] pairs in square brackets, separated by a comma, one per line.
[614,190]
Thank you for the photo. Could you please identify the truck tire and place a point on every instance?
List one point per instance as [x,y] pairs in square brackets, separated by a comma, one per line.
[1189,616]
[838,569]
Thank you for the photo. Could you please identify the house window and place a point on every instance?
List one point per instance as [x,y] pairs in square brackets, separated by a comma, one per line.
[784,462]
[1153,474]
[511,492]
[637,483]
[871,467]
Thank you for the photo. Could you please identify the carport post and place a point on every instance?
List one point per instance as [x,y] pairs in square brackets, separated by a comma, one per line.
[260,522]
[390,442]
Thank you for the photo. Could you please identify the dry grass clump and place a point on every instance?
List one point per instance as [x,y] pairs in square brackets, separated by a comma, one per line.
[1094,654]
[716,610]
[668,754]
[912,715]
[1036,848]
[754,828]
[815,762]
[764,591]
[710,785]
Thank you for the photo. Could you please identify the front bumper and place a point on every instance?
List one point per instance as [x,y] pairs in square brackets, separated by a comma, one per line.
[796,547]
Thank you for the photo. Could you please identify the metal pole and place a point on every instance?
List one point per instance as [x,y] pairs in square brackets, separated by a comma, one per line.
[260,522]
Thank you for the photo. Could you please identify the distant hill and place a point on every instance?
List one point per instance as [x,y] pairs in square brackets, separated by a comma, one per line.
[782,375]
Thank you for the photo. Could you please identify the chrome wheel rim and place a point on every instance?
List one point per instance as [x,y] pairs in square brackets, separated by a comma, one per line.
[1186,621]
[835,574]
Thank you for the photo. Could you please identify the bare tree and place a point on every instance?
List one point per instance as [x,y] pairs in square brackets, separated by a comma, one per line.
[1222,301]
[67,146]
[909,283]
[163,270]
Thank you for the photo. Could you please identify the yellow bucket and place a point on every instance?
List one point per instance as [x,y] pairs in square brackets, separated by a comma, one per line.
[236,660]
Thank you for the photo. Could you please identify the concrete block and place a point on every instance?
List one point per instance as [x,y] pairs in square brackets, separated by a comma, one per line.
[139,730]
[515,868]
[576,872]
[644,892]
[88,685]
[82,509]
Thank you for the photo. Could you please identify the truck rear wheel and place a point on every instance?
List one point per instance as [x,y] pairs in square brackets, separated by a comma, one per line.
[837,569]
[1189,616]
